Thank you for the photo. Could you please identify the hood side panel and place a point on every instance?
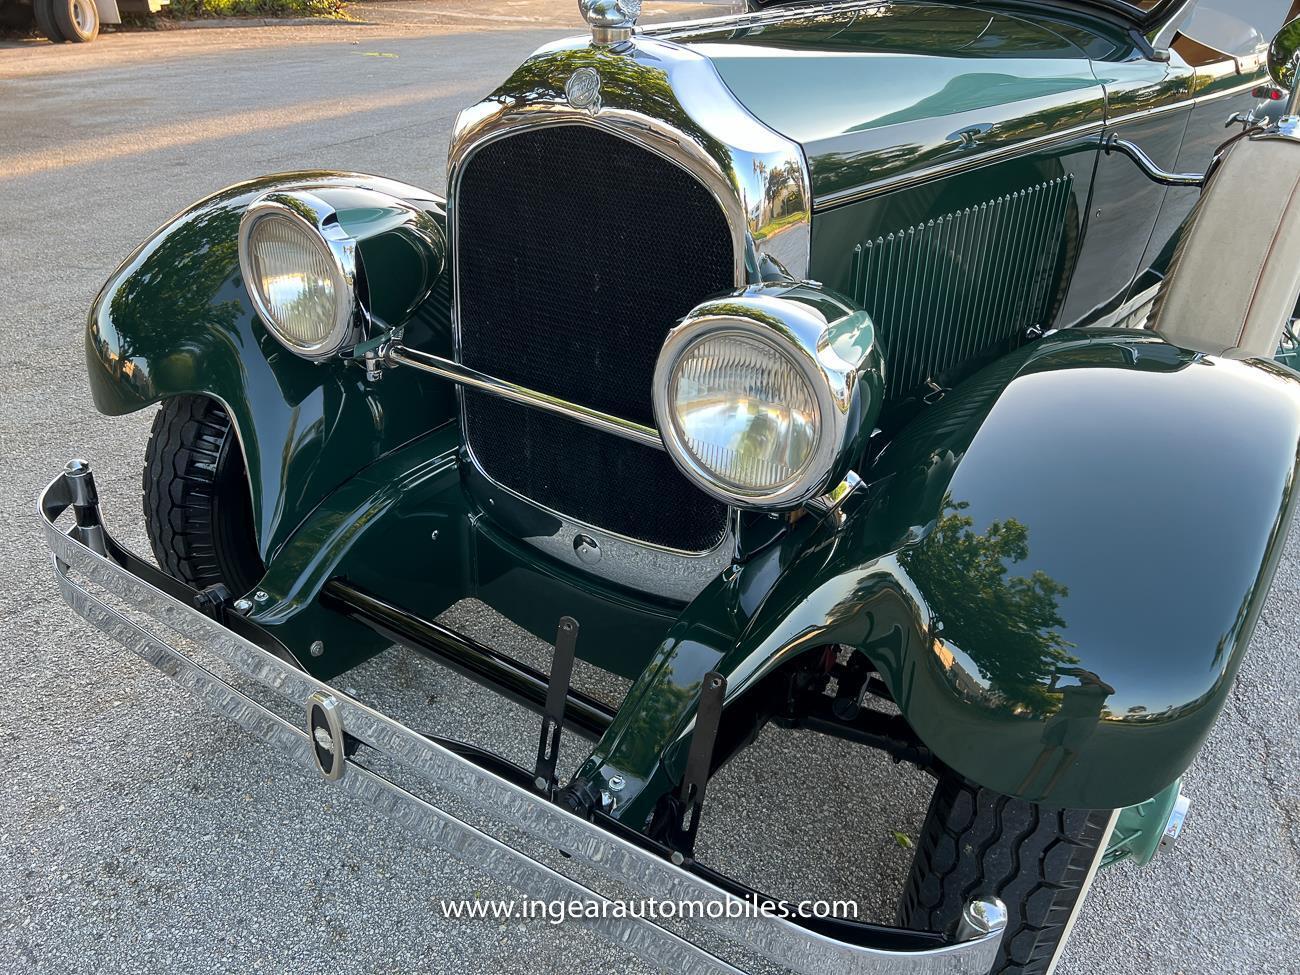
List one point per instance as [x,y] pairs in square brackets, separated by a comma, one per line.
[876,93]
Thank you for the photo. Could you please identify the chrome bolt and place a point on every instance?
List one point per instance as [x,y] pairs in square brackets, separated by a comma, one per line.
[982,916]
[540,782]
[433,537]
[317,647]
[261,596]
[243,606]
[616,783]
[678,858]
[587,548]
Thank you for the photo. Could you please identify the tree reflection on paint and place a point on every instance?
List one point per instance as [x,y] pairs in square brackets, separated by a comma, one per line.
[1010,626]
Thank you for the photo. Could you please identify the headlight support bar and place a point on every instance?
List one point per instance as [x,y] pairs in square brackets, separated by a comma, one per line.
[400,355]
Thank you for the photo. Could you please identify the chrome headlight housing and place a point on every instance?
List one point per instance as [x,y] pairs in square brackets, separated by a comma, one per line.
[300,269]
[303,253]
[765,398]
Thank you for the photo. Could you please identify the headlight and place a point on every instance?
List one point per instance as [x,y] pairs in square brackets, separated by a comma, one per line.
[300,280]
[763,398]
[744,410]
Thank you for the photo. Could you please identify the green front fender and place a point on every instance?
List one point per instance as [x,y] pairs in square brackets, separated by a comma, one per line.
[175,319]
[1056,571]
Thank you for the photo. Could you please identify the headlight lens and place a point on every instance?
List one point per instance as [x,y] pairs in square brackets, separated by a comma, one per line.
[744,411]
[297,282]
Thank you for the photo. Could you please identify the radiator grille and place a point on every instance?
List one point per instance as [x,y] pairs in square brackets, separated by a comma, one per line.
[945,291]
[577,251]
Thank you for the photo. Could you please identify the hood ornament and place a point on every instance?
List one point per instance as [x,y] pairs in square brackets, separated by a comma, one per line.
[611,21]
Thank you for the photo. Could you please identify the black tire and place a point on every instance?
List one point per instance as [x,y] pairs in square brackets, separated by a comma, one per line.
[78,20]
[197,508]
[43,11]
[1039,861]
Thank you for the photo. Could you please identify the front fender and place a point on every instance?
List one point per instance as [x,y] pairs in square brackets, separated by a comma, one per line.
[175,319]
[1056,571]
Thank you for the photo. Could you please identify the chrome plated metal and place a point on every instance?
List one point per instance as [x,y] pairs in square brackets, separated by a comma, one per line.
[1149,166]
[310,207]
[834,346]
[979,917]
[314,216]
[611,21]
[325,731]
[587,548]
[853,194]
[1284,60]
[1283,67]
[771,15]
[829,505]
[583,89]
[670,101]
[464,376]
[1177,817]
[775,938]
[85,500]
[81,483]
[1247,120]
[669,573]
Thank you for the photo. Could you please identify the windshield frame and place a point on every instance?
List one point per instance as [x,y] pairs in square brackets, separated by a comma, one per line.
[1129,13]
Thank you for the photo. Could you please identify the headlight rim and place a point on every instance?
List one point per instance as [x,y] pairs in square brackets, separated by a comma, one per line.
[337,245]
[783,337]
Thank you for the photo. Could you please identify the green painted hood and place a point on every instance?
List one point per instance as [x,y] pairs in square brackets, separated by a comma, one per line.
[874,92]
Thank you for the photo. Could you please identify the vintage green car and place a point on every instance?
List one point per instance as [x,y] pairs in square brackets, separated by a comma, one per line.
[911,372]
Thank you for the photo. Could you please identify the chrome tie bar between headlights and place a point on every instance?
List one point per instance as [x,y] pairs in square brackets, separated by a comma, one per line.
[465,376]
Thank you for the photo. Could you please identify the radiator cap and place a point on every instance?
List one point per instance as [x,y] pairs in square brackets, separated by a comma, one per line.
[611,20]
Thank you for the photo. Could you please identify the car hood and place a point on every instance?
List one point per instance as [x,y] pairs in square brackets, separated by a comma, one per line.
[876,91]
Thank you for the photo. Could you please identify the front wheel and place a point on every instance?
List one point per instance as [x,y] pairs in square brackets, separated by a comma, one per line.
[197,508]
[1039,861]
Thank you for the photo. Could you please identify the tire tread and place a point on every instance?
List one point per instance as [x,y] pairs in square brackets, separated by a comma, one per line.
[979,842]
[191,463]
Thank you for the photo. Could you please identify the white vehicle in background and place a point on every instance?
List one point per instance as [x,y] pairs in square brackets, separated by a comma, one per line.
[72,20]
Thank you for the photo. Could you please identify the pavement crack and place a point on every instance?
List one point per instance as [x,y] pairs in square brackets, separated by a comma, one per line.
[1288,816]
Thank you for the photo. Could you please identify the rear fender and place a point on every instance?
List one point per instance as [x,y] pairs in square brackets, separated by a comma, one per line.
[175,319]
[1056,571]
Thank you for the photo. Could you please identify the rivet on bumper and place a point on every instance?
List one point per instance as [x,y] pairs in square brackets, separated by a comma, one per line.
[325,729]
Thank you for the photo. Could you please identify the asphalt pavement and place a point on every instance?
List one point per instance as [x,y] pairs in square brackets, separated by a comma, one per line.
[139,833]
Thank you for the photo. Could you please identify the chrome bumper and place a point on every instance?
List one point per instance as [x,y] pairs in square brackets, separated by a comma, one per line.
[85,548]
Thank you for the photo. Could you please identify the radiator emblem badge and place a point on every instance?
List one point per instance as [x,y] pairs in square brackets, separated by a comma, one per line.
[583,89]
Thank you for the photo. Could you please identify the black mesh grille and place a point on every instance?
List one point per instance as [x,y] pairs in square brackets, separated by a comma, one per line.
[577,252]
